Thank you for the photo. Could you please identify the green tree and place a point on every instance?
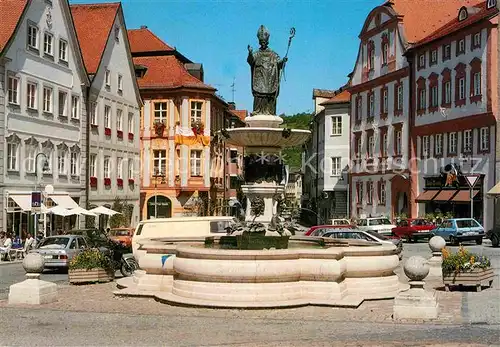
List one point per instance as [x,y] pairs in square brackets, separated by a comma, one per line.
[293,155]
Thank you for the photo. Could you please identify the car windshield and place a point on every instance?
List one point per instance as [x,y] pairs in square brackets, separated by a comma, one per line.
[119,232]
[377,235]
[379,221]
[468,223]
[54,242]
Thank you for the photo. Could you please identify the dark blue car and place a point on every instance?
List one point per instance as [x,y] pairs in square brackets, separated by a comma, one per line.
[456,230]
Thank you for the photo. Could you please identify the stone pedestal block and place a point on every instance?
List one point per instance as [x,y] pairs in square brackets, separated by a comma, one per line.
[436,244]
[416,303]
[32,291]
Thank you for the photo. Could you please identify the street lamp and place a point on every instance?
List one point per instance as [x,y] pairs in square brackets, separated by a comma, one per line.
[45,168]
[156,176]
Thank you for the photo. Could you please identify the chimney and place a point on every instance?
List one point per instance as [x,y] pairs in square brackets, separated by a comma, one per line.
[144,26]
[232,105]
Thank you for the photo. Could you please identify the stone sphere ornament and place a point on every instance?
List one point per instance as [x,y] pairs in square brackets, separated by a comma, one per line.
[33,263]
[437,243]
[416,268]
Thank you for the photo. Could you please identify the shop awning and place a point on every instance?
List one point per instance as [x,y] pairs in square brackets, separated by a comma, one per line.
[495,190]
[426,196]
[64,201]
[464,196]
[23,201]
[444,195]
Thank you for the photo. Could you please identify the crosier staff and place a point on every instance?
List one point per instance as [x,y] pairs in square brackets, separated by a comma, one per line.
[285,59]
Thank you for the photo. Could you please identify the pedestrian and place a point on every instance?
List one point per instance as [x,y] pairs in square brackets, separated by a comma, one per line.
[7,245]
[29,243]
[2,238]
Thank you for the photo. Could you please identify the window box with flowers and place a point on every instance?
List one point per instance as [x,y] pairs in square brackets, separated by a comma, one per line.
[119,134]
[119,182]
[466,269]
[107,131]
[107,181]
[159,128]
[93,182]
[130,136]
[131,181]
[198,128]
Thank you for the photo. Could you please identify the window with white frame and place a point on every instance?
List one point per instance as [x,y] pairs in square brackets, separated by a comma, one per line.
[359,193]
[48,44]
[120,83]
[371,59]
[30,158]
[461,88]
[447,52]
[93,165]
[399,142]
[447,92]
[12,152]
[491,3]
[425,146]
[421,61]
[336,166]
[461,46]
[75,107]
[477,83]
[385,53]
[47,99]
[107,78]
[119,120]
[63,50]
[61,162]
[62,103]
[93,113]
[130,122]
[160,112]
[484,139]
[369,192]
[467,138]
[359,107]
[131,168]
[400,98]
[434,96]
[31,93]
[385,100]
[49,154]
[452,143]
[438,139]
[195,163]
[107,117]
[371,146]
[32,36]
[421,101]
[476,41]
[13,90]
[107,167]
[196,111]
[385,143]
[382,196]
[434,56]
[371,106]
[73,163]
[119,172]
[336,125]
[159,162]
[358,146]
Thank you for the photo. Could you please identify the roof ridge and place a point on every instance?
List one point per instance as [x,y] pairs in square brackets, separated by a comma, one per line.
[97,4]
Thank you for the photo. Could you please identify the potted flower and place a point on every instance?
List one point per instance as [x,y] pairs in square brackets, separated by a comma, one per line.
[119,182]
[130,136]
[93,181]
[198,127]
[131,181]
[119,134]
[159,128]
[90,266]
[107,131]
[107,181]
[466,269]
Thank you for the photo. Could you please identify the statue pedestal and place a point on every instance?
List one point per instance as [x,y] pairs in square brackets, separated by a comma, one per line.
[269,192]
[416,303]
[32,291]
[263,121]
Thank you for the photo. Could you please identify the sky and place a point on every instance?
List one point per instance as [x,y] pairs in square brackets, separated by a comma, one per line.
[216,34]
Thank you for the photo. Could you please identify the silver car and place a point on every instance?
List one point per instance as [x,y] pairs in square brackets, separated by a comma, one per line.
[58,251]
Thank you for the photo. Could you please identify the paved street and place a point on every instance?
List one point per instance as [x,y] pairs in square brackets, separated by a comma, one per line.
[91,315]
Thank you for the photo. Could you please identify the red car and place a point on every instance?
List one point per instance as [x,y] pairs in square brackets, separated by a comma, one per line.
[412,230]
[319,230]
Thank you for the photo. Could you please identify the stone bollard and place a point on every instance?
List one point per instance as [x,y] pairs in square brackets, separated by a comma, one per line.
[33,291]
[416,302]
[436,244]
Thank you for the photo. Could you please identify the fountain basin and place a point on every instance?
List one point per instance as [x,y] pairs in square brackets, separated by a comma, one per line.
[309,272]
[269,140]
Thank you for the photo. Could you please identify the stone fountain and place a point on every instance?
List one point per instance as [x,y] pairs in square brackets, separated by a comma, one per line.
[266,267]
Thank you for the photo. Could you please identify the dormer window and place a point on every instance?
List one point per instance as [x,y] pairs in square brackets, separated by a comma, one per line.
[140,71]
[491,3]
[462,14]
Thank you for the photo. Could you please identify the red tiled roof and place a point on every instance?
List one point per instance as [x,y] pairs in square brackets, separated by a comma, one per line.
[241,114]
[143,40]
[341,97]
[166,72]
[93,23]
[480,12]
[423,17]
[12,11]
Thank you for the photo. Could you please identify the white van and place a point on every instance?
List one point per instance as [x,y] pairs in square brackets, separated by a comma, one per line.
[180,227]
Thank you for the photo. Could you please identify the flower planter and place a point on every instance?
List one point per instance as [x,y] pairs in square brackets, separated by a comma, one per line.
[159,128]
[107,182]
[119,182]
[97,275]
[130,181]
[257,241]
[119,134]
[93,182]
[107,131]
[476,278]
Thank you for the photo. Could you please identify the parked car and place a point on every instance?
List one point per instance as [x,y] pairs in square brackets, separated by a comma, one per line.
[494,236]
[319,230]
[353,233]
[413,229]
[456,230]
[340,221]
[380,225]
[58,251]
[122,236]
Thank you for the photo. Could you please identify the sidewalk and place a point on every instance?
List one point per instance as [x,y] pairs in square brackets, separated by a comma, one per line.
[16,261]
